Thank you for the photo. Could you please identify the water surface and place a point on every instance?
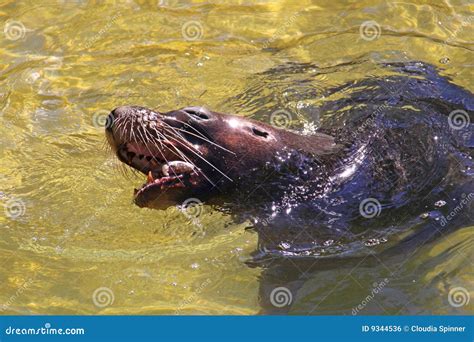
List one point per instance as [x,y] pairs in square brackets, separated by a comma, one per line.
[66,64]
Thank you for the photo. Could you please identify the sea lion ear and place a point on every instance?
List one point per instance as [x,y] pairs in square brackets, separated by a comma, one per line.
[201,113]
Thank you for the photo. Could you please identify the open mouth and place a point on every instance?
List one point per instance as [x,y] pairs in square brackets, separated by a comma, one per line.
[163,172]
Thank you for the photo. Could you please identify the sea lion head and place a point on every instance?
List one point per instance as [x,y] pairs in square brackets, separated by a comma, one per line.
[195,152]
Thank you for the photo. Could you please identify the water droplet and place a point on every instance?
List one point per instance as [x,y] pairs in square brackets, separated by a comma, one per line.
[444,60]
[424,215]
[440,204]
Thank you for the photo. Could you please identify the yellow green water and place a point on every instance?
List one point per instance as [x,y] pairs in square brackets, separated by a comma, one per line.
[64,64]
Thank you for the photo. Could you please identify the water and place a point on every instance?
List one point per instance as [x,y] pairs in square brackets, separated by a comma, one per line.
[77,245]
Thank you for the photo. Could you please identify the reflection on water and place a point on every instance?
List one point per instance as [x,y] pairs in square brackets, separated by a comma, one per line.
[71,240]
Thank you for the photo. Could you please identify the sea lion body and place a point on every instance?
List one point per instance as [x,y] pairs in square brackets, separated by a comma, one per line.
[369,169]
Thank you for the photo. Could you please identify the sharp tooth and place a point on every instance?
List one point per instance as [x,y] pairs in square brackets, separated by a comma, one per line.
[165,170]
[149,178]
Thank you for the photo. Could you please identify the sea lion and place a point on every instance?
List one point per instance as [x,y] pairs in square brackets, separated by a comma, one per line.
[372,164]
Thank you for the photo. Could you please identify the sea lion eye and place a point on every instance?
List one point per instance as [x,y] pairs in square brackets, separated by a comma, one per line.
[198,112]
[259,132]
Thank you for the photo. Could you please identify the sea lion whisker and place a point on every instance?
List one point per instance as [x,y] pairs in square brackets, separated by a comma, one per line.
[187,159]
[204,139]
[161,152]
[185,124]
[206,161]
[199,134]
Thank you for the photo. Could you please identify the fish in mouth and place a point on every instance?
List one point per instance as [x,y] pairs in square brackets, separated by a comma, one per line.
[196,152]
